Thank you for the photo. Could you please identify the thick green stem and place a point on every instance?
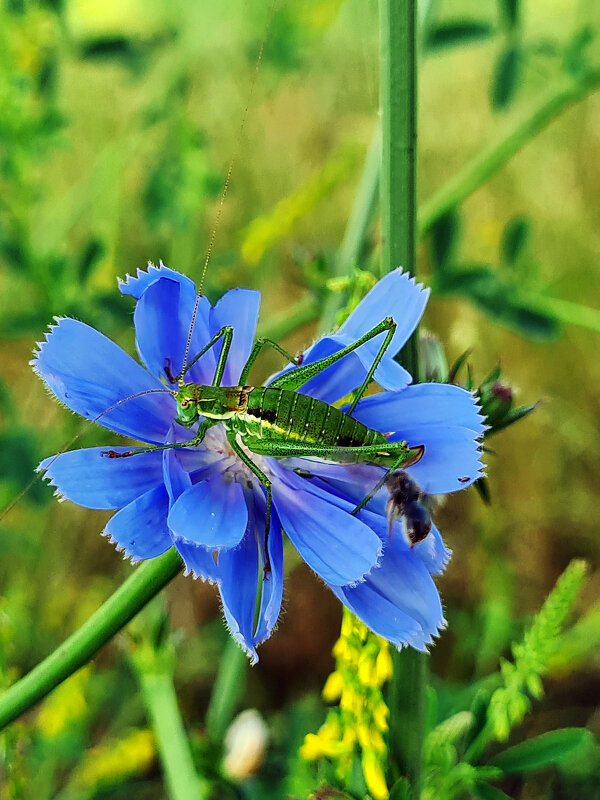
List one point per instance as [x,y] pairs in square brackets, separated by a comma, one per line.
[399,141]
[513,138]
[406,693]
[78,649]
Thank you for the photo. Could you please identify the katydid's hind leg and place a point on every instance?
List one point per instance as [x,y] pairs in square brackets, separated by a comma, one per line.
[401,462]
[267,484]
[296,378]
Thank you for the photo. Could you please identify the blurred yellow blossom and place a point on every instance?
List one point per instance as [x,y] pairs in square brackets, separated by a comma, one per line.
[358,724]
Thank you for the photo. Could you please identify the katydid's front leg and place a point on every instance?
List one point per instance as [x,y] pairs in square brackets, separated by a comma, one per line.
[231,438]
[296,378]
[225,333]
[208,423]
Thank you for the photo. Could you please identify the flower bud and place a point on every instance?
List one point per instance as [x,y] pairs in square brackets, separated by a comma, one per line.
[245,744]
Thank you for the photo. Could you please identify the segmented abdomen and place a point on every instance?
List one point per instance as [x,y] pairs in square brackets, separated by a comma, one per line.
[283,415]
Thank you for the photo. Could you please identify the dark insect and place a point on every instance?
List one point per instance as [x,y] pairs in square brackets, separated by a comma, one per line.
[408,502]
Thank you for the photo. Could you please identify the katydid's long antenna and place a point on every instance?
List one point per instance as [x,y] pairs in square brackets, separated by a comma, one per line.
[72,441]
[223,195]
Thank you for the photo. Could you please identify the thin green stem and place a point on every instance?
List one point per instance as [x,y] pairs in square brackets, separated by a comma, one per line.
[279,325]
[406,692]
[227,690]
[357,229]
[160,700]
[80,647]
[492,158]
[563,310]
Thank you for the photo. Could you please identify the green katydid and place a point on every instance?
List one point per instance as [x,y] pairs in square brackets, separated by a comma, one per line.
[277,421]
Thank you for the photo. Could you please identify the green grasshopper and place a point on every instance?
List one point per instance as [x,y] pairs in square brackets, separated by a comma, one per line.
[277,421]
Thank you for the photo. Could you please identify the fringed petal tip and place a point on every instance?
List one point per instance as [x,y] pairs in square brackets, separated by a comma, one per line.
[39,346]
[405,275]
[120,548]
[424,640]
[248,649]
[136,285]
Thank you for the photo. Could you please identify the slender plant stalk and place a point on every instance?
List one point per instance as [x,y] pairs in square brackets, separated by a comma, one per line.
[406,693]
[80,647]
[357,229]
[492,158]
[227,690]
[160,700]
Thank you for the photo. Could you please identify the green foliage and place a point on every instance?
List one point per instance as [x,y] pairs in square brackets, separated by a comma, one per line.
[455,747]
[507,75]
[544,750]
[118,123]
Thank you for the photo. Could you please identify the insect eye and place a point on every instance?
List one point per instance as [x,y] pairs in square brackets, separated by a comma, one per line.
[184,403]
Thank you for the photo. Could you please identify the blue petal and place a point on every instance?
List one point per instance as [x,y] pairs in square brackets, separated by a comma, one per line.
[272,588]
[445,419]
[396,295]
[238,574]
[176,478]
[337,546]
[176,317]
[398,600]
[336,381]
[159,336]
[89,373]
[136,286]
[140,529]
[212,513]
[451,461]
[95,481]
[238,308]
[198,561]
[433,552]
[421,404]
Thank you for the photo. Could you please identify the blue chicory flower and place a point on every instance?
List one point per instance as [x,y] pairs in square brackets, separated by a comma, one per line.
[204,500]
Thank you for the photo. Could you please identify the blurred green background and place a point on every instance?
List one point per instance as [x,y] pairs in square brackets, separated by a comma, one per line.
[118,121]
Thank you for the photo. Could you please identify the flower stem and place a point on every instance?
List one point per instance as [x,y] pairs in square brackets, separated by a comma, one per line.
[399,139]
[228,686]
[154,667]
[406,694]
[353,243]
[568,91]
[81,646]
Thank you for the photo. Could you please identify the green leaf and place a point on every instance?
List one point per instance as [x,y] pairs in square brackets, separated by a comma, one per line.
[89,257]
[400,790]
[512,416]
[502,301]
[444,238]
[510,12]
[451,34]
[483,488]
[575,57]
[484,791]
[514,239]
[542,751]
[506,77]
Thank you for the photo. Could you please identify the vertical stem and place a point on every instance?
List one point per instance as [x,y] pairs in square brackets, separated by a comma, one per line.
[163,710]
[398,229]
[399,139]
[357,230]
[228,687]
